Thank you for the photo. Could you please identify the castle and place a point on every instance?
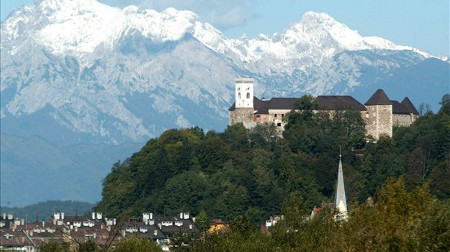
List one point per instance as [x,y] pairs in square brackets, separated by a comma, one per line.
[379,112]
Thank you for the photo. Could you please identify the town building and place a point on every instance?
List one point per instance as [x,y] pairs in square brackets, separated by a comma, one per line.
[20,235]
[272,221]
[217,225]
[379,112]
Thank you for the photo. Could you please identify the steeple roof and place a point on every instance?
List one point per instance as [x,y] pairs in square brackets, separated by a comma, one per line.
[378,98]
[408,104]
[398,108]
[340,201]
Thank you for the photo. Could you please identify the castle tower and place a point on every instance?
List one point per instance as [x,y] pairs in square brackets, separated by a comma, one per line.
[340,201]
[244,93]
[379,112]
[414,114]
[243,109]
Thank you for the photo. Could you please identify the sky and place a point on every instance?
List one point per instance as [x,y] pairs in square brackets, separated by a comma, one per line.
[422,24]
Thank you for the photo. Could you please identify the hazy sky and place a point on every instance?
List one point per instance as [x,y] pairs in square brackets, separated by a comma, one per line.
[423,24]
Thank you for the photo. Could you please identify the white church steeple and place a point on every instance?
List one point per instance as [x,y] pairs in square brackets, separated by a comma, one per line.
[340,201]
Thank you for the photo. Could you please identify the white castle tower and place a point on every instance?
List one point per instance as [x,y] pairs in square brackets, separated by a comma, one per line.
[340,201]
[244,93]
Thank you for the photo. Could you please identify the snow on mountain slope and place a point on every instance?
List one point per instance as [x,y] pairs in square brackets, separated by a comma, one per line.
[86,63]
[315,38]
[71,27]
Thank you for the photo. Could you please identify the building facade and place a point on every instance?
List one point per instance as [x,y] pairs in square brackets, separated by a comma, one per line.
[19,235]
[379,112]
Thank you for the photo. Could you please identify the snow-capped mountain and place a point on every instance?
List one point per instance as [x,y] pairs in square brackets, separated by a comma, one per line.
[85,64]
[83,72]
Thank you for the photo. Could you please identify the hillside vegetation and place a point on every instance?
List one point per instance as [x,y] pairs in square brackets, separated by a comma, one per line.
[254,172]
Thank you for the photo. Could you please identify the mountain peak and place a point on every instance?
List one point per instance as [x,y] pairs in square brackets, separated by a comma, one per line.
[69,7]
[318,16]
[180,13]
[324,29]
[73,27]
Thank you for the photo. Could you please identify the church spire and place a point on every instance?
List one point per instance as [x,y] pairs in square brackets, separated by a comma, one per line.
[340,201]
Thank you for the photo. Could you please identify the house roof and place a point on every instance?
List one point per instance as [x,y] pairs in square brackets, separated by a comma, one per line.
[408,104]
[75,218]
[9,238]
[282,103]
[188,226]
[326,102]
[398,108]
[216,222]
[335,102]
[379,98]
[150,234]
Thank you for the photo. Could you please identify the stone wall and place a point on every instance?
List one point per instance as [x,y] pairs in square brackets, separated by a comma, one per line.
[277,117]
[402,120]
[379,121]
[378,118]
[241,115]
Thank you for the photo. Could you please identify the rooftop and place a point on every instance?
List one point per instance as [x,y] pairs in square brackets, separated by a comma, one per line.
[378,98]
[326,102]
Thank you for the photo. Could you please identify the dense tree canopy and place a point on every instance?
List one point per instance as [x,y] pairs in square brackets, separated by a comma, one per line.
[254,172]
[400,220]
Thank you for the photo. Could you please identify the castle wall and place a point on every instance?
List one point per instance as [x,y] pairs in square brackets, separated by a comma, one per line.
[414,118]
[241,115]
[379,120]
[262,118]
[402,120]
[277,116]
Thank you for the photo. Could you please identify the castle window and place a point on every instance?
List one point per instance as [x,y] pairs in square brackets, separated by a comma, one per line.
[275,116]
[239,95]
[248,95]
[282,115]
[279,124]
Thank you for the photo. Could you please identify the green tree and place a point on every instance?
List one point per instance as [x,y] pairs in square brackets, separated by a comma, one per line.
[88,246]
[202,220]
[306,103]
[184,193]
[54,246]
[136,243]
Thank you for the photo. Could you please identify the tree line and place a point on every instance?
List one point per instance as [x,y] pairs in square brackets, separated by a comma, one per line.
[254,172]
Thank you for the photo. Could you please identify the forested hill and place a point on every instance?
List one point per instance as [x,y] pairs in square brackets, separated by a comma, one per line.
[241,172]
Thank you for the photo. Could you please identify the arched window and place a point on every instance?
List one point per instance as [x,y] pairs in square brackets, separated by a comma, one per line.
[248,95]
[239,96]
